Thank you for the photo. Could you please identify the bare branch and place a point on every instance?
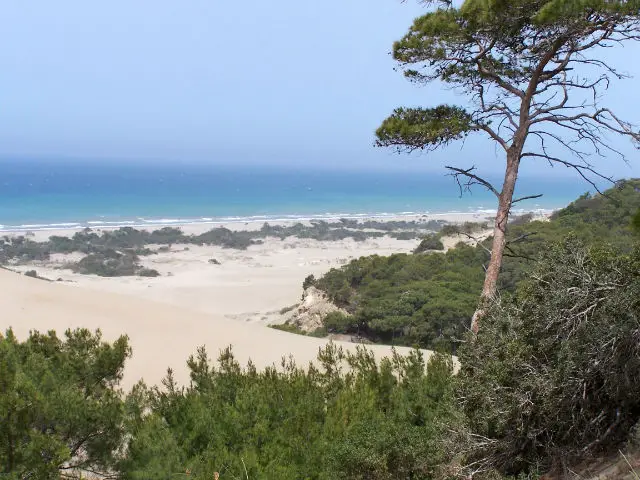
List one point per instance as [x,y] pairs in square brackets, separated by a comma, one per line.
[473,179]
[529,197]
[580,169]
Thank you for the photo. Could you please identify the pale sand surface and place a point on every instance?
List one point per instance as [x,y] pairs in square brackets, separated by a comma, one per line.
[194,302]
[161,335]
[249,285]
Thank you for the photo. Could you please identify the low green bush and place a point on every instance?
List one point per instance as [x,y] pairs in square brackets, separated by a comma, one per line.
[430,242]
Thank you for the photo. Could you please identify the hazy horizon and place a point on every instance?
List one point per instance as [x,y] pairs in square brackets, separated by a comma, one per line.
[243,84]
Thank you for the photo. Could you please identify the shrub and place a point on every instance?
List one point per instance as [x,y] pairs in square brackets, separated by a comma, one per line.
[338,322]
[60,404]
[107,264]
[308,282]
[430,242]
[148,272]
[288,309]
[554,372]
[378,421]
[320,332]
[288,327]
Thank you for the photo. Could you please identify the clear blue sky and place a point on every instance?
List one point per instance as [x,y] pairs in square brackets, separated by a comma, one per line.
[199,80]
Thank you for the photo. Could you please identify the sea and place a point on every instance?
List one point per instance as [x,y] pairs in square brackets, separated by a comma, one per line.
[37,194]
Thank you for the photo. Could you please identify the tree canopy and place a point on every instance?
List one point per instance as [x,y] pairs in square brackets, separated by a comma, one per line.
[428,299]
[533,80]
[60,410]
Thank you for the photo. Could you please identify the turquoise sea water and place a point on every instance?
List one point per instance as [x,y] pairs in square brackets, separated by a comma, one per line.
[38,194]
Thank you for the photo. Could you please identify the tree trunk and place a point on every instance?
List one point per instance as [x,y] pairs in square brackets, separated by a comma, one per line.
[490,287]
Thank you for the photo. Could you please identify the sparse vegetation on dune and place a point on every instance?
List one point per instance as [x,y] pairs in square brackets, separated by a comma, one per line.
[115,253]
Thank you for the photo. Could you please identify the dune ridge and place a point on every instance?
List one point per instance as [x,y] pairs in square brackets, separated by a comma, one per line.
[161,335]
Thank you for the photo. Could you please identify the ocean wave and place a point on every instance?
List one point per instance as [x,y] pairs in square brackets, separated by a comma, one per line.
[141,222]
[105,222]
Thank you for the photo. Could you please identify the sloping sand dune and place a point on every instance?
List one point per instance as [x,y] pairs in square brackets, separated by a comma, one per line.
[161,335]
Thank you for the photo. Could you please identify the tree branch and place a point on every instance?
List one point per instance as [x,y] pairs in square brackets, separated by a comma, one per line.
[529,197]
[473,179]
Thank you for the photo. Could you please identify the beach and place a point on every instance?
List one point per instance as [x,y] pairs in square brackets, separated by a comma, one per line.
[251,285]
[194,301]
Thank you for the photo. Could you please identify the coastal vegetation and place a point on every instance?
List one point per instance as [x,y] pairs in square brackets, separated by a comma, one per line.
[428,299]
[549,381]
[534,82]
[117,252]
[546,379]
[60,409]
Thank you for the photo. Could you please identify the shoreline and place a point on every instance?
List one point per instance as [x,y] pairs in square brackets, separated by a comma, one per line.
[231,301]
[246,285]
[284,219]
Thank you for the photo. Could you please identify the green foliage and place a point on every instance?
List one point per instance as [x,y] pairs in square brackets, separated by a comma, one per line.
[418,128]
[107,264]
[408,299]
[288,327]
[430,242]
[338,322]
[553,374]
[429,299]
[592,218]
[148,272]
[309,281]
[635,222]
[59,405]
[376,421]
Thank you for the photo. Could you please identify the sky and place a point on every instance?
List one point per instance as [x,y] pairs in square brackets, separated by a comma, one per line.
[285,82]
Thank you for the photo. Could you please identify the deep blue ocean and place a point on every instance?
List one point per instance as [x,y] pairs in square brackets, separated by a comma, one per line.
[40,194]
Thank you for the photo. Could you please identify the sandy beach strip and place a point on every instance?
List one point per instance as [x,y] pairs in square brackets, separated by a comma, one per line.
[195,301]
[251,285]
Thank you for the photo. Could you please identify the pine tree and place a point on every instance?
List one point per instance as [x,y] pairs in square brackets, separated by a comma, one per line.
[533,76]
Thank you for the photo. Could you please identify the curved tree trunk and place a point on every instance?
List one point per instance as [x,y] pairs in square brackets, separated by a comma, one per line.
[490,287]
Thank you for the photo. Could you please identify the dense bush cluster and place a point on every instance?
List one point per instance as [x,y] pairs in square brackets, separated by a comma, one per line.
[347,418]
[554,374]
[60,411]
[427,299]
[377,421]
[405,299]
[429,243]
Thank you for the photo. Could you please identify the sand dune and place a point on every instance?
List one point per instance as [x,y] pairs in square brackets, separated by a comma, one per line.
[161,335]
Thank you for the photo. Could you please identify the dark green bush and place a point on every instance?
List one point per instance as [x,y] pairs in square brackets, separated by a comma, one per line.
[59,404]
[148,272]
[107,264]
[554,373]
[430,242]
[379,421]
[338,322]
[423,300]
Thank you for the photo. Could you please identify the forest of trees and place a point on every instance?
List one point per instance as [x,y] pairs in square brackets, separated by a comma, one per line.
[427,300]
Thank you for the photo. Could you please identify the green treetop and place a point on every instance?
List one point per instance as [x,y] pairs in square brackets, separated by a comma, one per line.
[532,73]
